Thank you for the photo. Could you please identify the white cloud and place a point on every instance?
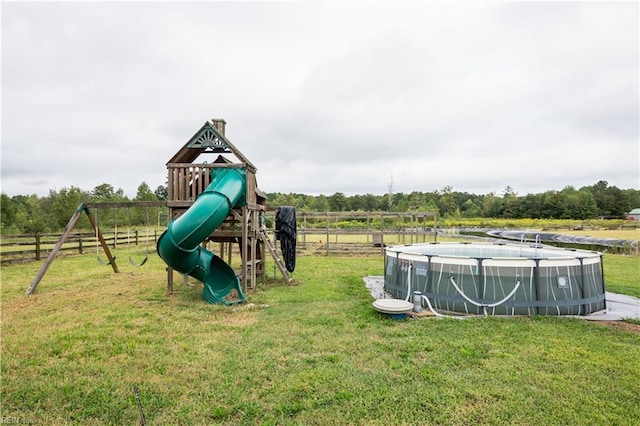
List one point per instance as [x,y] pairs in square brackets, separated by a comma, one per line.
[324,97]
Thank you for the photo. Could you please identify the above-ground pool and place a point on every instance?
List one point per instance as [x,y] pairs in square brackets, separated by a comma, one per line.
[497,279]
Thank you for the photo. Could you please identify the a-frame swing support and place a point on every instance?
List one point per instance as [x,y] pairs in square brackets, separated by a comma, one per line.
[82,208]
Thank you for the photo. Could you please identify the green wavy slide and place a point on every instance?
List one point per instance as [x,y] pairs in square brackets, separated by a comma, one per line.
[179,245]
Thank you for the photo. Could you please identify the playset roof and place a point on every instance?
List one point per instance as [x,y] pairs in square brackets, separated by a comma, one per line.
[209,140]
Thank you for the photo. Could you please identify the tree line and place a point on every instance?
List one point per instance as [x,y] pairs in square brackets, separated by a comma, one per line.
[597,201]
[32,214]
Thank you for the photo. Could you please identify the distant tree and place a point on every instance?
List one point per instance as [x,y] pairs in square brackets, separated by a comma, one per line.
[431,207]
[509,192]
[321,204]
[304,202]
[139,216]
[144,193]
[103,192]
[611,200]
[7,215]
[22,213]
[402,203]
[583,205]
[492,206]
[604,199]
[621,204]
[633,197]
[398,202]
[31,218]
[470,209]
[447,203]
[62,204]
[338,202]
[447,206]
[415,200]
[553,205]
[355,203]
[510,203]
[278,199]
[161,193]
[531,206]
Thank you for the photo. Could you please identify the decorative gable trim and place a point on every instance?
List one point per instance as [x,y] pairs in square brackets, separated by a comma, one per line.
[209,140]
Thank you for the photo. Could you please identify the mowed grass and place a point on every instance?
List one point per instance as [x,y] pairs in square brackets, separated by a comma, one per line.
[622,274]
[622,234]
[312,353]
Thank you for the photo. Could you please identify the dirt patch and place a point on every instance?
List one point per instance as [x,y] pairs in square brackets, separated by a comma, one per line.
[243,315]
[621,325]
[239,319]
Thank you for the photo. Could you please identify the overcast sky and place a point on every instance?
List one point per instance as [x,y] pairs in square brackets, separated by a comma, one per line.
[324,97]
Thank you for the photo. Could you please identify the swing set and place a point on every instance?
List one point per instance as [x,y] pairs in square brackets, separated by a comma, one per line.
[115,232]
[100,240]
[146,251]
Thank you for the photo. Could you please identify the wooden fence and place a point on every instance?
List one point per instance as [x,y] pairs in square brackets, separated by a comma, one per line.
[361,232]
[322,233]
[318,232]
[30,247]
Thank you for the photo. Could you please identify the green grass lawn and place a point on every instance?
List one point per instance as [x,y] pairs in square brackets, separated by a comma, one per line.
[313,353]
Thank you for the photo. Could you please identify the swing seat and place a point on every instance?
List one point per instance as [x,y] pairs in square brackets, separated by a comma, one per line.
[102,262]
[133,262]
[146,254]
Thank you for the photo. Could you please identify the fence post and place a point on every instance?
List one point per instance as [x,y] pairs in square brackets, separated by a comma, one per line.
[80,248]
[136,233]
[37,246]
[382,231]
[327,252]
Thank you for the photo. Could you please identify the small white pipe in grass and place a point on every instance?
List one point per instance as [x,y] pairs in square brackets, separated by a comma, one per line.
[406,299]
[484,306]
[439,315]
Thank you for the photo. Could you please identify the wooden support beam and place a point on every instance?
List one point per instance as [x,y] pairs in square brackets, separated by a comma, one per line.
[244,252]
[103,243]
[56,248]
[169,280]
[126,204]
[254,242]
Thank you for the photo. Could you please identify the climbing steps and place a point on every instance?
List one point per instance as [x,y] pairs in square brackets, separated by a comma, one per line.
[274,254]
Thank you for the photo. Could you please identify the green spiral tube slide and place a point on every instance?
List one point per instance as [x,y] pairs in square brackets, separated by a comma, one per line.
[179,245]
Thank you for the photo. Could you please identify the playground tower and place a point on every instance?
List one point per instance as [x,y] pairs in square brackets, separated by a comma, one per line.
[190,174]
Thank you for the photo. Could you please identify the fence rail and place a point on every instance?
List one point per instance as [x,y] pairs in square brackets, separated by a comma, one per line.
[30,247]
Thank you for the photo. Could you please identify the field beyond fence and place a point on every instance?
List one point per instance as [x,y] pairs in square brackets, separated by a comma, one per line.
[324,235]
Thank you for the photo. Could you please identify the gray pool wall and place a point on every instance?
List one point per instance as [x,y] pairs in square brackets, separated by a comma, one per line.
[549,280]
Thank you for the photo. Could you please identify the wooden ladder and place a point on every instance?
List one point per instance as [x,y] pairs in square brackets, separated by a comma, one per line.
[274,254]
